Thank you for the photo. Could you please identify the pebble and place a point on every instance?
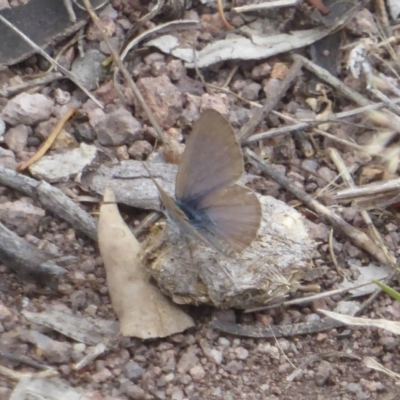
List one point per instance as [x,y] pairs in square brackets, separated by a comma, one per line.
[27,109]
[2,130]
[132,370]
[163,98]
[241,353]
[88,69]
[187,361]
[233,367]
[16,138]
[60,167]
[116,128]
[197,373]
[21,217]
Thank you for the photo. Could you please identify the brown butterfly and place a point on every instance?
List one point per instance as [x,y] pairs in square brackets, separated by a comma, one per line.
[208,203]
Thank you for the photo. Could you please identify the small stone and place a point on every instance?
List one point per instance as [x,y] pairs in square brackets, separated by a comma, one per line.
[62,97]
[84,133]
[217,356]
[60,167]
[132,370]
[54,351]
[177,394]
[241,353]
[187,361]
[168,360]
[21,217]
[102,376]
[223,341]
[134,392]
[122,153]
[116,128]
[7,159]
[175,70]
[262,71]
[16,138]
[2,130]
[234,367]
[163,98]
[140,150]
[27,109]
[251,91]
[323,374]
[89,69]
[197,373]
[108,25]
[217,102]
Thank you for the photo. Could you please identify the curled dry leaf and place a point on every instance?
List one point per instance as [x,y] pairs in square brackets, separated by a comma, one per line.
[143,311]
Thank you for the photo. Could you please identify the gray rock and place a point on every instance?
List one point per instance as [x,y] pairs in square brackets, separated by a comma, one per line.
[116,128]
[163,98]
[89,69]
[16,138]
[132,370]
[21,217]
[27,109]
[2,130]
[7,159]
[54,351]
[60,167]
[187,361]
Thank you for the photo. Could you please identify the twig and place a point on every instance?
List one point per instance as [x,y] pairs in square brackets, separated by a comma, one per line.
[266,5]
[344,89]
[308,299]
[326,134]
[16,375]
[358,237]
[375,188]
[126,74]
[306,124]
[44,80]
[261,113]
[28,262]
[222,15]
[339,269]
[52,199]
[341,167]
[59,67]
[49,141]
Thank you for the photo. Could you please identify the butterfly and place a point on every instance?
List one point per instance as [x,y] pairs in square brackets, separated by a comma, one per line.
[209,205]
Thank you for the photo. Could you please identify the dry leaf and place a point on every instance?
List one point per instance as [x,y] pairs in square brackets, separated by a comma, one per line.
[143,311]
[391,326]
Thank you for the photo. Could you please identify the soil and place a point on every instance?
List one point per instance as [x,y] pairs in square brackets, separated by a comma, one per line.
[200,363]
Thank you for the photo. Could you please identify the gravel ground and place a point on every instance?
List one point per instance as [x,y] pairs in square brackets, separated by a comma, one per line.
[200,363]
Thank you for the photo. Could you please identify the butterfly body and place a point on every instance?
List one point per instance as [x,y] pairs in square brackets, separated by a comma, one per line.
[208,204]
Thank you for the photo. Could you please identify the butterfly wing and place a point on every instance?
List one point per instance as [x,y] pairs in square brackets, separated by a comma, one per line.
[212,159]
[232,214]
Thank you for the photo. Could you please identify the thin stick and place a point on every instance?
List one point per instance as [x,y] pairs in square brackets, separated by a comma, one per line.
[344,89]
[44,80]
[306,124]
[222,15]
[358,237]
[59,67]
[126,74]
[260,114]
[341,166]
[49,141]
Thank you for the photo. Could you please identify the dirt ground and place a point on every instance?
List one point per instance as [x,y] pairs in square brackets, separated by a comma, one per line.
[200,363]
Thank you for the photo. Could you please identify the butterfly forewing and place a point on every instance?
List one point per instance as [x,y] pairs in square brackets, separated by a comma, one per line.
[212,158]
[233,214]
